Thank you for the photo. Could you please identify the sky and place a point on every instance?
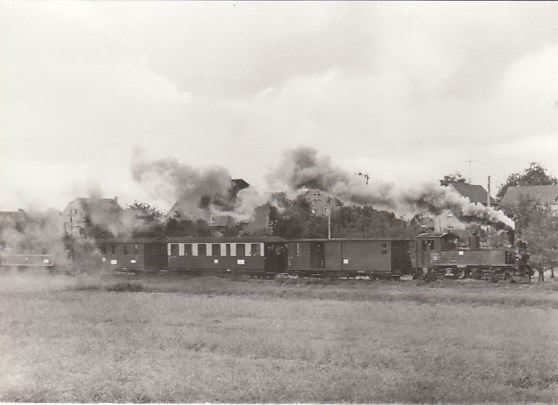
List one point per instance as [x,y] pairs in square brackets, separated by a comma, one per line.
[405,91]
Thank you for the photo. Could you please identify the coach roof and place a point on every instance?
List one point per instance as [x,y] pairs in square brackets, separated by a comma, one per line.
[228,239]
[353,240]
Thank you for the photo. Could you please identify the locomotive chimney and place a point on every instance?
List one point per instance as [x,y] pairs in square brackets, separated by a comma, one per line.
[474,241]
[511,237]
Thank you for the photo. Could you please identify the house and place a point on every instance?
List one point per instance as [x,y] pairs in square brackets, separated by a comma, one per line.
[322,202]
[540,195]
[475,193]
[82,213]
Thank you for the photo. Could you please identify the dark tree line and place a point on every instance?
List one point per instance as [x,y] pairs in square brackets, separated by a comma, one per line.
[296,221]
[535,223]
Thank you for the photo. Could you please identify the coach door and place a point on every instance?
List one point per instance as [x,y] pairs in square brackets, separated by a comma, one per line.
[275,257]
[317,256]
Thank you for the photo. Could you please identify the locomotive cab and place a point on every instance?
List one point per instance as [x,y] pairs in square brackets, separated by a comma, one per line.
[427,247]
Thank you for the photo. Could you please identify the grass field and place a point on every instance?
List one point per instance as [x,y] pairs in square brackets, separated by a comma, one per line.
[209,339]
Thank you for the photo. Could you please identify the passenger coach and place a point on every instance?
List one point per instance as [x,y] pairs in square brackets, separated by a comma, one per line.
[375,258]
[253,255]
[131,254]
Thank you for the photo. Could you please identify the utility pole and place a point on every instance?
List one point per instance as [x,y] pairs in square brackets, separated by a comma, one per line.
[365,175]
[488,196]
[328,212]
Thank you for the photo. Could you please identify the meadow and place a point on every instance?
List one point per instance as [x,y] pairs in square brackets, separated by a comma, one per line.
[207,339]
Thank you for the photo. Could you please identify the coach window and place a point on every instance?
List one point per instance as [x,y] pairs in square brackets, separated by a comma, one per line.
[255,249]
[174,249]
[202,249]
[113,249]
[125,249]
[103,249]
[384,248]
[228,250]
[215,250]
[241,249]
[136,249]
[427,245]
[297,249]
[188,249]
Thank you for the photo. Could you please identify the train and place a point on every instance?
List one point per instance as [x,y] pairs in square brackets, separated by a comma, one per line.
[427,256]
[24,261]
[264,256]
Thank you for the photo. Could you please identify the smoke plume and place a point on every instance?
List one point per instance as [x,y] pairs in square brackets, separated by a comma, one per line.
[304,167]
[32,232]
[198,192]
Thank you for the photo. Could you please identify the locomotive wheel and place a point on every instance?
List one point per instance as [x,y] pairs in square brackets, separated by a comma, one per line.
[461,275]
[508,278]
[493,277]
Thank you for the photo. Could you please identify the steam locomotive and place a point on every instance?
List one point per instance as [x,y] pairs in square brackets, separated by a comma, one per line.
[428,257]
[441,256]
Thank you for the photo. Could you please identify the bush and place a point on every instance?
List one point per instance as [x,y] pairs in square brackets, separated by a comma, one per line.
[126,287]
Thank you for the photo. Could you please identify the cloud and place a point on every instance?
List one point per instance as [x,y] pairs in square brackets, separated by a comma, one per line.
[405,91]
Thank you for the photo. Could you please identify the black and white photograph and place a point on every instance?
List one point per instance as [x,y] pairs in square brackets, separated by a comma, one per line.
[278,202]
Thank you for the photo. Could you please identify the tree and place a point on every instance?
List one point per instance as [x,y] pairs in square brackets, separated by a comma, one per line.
[146,211]
[297,221]
[537,225]
[540,235]
[534,175]
[366,222]
[144,220]
[186,227]
[455,177]
[95,230]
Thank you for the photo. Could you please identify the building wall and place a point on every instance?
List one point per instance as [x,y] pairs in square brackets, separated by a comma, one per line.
[104,213]
[73,219]
[446,222]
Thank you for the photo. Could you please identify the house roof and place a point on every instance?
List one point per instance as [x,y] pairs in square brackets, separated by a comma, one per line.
[544,194]
[475,193]
[312,193]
